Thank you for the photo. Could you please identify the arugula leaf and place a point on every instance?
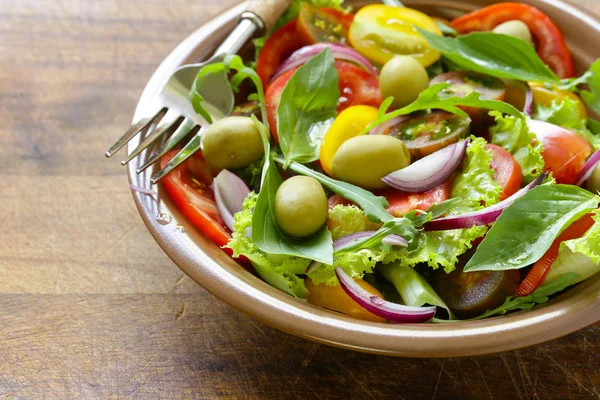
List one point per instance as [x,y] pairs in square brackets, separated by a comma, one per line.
[513,135]
[230,62]
[493,54]
[527,228]
[439,97]
[373,206]
[565,113]
[540,296]
[266,233]
[279,271]
[307,108]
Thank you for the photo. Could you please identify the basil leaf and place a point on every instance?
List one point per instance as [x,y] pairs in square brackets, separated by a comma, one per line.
[307,108]
[446,29]
[592,96]
[527,228]
[493,54]
[267,235]
[373,206]
[540,296]
[439,97]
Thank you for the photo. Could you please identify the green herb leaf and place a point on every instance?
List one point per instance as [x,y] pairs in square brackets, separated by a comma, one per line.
[373,206]
[493,54]
[266,233]
[307,108]
[592,96]
[446,29]
[540,296]
[527,228]
[439,97]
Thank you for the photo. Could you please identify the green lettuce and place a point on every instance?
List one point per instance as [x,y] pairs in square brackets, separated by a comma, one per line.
[279,271]
[565,113]
[581,255]
[512,135]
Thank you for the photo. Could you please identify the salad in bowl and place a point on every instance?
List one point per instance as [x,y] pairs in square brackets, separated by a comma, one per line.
[401,168]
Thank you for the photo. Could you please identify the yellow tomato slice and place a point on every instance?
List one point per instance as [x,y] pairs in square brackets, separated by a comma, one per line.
[347,125]
[334,298]
[543,96]
[380,32]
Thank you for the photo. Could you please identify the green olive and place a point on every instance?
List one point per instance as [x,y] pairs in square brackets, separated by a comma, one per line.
[301,207]
[403,78]
[593,182]
[515,28]
[364,160]
[232,143]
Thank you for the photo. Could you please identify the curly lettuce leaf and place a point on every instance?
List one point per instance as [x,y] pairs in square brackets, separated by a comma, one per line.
[565,113]
[279,271]
[346,220]
[512,135]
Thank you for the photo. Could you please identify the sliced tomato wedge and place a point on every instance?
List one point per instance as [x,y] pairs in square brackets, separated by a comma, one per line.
[540,269]
[316,25]
[189,187]
[507,171]
[550,43]
[357,87]
[280,45]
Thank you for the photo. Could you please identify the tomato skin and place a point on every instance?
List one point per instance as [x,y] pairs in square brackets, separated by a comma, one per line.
[279,46]
[507,171]
[330,18]
[551,45]
[538,273]
[357,87]
[565,153]
[335,298]
[188,186]
[401,203]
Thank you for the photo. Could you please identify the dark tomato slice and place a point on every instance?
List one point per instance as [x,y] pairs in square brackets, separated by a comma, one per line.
[280,45]
[316,25]
[565,153]
[401,203]
[507,171]
[469,294]
[464,83]
[429,133]
[357,87]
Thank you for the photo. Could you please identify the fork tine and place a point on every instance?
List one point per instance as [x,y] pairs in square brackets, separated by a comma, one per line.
[131,132]
[182,131]
[185,153]
[164,125]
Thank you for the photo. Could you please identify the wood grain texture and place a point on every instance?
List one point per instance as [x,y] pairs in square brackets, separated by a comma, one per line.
[90,307]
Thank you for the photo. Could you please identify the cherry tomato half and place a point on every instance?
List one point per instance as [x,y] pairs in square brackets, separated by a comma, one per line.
[401,203]
[550,43]
[316,25]
[335,298]
[565,153]
[280,45]
[357,87]
[507,171]
[540,269]
[380,32]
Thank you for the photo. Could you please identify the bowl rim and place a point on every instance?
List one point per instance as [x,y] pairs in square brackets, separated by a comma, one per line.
[210,267]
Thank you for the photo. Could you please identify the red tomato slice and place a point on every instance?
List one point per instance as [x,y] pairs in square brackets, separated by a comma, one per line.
[323,25]
[357,87]
[280,45]
[507,171]
[564,152]
[540,269]
[550,43]
[189,187]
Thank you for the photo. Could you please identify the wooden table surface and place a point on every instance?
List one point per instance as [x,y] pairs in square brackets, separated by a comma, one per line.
[90,307]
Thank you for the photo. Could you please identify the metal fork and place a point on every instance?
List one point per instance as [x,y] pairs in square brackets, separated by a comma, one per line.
[171,108]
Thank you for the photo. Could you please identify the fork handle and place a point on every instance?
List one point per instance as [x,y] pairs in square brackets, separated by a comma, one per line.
[268,10]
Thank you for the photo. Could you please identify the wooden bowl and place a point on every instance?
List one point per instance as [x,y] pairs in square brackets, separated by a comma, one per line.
[208,265]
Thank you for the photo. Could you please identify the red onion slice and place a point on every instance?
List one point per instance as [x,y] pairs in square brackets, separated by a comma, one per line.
[350,239]
[340,52]
[395,240]
[142,190]
[528,107]
[380,129]
[588,168]
[230,192]
[481,217]
[429,171]
[380,307]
